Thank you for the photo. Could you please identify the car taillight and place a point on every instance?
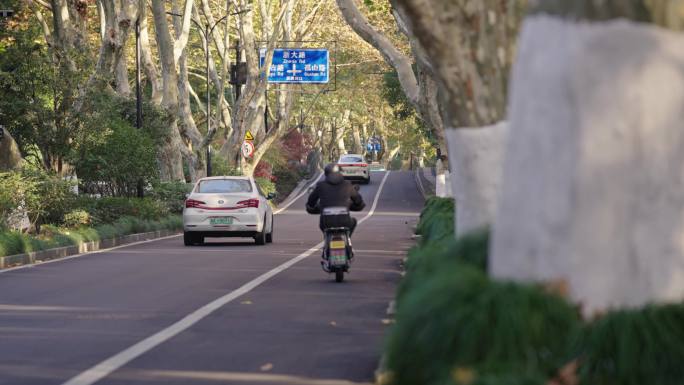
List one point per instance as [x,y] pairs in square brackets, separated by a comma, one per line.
[249,203]
[192,203]
[360,165]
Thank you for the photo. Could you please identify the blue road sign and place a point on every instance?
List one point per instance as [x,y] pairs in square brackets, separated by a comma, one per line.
[378,147]
[298,65]
[369,147]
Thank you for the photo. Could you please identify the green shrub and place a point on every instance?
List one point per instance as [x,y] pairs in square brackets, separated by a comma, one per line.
[171,194]
[396,164]
[114,159]
[76,218]
[44,197]
[13,189]
[221,167]
[17,243]
[427,260]
[53,197]
[266,186]
[634,347]
[110,209]
[436,219]
[287,178]
[459,318]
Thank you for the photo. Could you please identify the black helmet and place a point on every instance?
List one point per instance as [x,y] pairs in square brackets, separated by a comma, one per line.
[331,167]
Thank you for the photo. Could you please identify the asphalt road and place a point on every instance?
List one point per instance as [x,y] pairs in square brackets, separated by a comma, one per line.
[229,312]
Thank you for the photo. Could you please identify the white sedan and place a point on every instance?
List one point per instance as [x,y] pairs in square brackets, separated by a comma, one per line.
[227,206]
[354,167]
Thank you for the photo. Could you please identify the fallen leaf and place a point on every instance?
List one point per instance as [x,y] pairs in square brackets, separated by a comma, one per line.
[248,302]
[463,376]
[387,321]
[266,367]
[333,323]
[567,375]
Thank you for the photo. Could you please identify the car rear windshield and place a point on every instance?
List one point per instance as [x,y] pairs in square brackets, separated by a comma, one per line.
[224,186]
[351,159]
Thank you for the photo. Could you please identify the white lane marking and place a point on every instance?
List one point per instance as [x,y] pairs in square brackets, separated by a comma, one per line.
[375,201]
[9,269]
[295,199]
[106,367]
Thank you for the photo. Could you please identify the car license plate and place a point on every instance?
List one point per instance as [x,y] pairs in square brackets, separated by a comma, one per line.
[221,221]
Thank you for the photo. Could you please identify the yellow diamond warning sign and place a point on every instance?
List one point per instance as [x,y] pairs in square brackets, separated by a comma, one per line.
[249,136]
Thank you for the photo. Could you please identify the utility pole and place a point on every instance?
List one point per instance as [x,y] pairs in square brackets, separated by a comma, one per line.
[238,59]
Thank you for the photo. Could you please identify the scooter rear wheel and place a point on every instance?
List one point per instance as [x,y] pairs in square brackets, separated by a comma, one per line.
[339,276]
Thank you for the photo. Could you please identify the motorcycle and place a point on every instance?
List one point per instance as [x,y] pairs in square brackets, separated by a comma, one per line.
[338,252]
[337,247]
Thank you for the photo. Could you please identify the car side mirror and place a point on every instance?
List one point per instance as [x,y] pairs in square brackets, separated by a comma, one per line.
[357,187]
[270,196]
[187,196]
[310,189]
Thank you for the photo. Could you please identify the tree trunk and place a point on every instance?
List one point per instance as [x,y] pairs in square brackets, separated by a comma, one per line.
[193,151]
[10,157]
[146,57]
[470,47]
[357,146]
[592,193]
[170,160]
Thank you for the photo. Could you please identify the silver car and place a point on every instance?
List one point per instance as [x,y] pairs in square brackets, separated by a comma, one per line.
[354,167]
[227,206]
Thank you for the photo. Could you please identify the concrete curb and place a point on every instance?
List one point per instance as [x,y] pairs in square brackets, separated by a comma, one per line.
[62,252]
[419,183]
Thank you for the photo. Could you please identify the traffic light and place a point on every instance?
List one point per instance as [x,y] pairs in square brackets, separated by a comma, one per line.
[6,12]
[2,132]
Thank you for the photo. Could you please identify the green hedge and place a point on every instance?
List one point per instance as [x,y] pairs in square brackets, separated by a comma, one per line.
[12,243]
[450,315]
[455,325]
[171,194]
[436,220]
[634,347]
[110,209]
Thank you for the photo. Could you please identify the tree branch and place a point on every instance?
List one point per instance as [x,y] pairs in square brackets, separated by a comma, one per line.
[182,41]
[400,62]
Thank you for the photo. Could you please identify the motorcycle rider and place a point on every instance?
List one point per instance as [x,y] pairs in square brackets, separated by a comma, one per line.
[334,191]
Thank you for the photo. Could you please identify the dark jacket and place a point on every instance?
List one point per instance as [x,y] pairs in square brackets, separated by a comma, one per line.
[334,191]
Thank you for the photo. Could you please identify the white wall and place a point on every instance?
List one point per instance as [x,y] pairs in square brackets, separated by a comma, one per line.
[593,190]
[476,160]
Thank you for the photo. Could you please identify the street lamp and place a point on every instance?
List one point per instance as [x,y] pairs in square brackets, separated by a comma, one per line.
[206,31]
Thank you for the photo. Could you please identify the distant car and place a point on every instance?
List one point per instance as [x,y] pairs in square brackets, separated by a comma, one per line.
[354,167]
[227,206]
